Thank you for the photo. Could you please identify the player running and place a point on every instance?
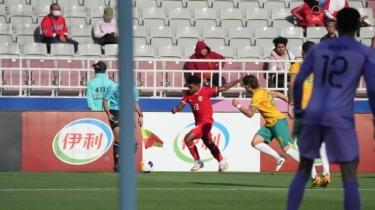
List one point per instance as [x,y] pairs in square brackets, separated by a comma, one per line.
[307,90]
[276,125]
[113,112]
[339,64]
[198,98]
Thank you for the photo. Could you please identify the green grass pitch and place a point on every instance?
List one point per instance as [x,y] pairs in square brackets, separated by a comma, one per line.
[170,191]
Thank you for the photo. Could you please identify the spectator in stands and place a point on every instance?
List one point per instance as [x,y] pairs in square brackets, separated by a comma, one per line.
[97,87]
[279,53]
[309,14]
[332,7]
[105,29]
[331,29]
[202,51]
[54,28]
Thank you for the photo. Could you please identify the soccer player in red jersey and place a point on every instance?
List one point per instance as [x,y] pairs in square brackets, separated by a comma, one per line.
[199,99]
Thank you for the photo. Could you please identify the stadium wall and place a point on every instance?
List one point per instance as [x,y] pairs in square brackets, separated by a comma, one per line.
[74,139]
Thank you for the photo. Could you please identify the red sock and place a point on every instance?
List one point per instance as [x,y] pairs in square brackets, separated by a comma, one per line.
[193,150]
[216,152]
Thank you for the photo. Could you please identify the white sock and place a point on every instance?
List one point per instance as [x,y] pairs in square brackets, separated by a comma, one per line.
[324,159]
[313,172]
[268,150]
[294,154]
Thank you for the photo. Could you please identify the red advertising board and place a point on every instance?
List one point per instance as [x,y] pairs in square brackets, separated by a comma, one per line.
[365,134]
[69,141]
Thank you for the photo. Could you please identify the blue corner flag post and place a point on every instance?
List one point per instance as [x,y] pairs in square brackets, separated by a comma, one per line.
[128,194]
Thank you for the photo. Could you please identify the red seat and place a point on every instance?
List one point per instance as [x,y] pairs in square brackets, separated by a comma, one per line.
[176,79]
[11,76]
[146,75]
[256,66]
[231,76]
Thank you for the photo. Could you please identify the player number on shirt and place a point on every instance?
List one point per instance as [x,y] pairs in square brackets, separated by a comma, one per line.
[100,90]
[339,66]
[196,106]
[269,96]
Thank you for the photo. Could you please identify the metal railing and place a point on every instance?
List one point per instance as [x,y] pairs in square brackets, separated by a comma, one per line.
[27,76]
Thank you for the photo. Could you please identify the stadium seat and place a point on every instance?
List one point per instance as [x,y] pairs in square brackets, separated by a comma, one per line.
[294,35]
[153,17]
[146,78]
[82,34]
[239,36]
[249,4]
[231,18]
[273,4]
[179,17]
[223,4]
[172,4]
[296,50]
[367,32]
[75,15]
[41,12]
[282,18]
[9,49]
[14,2]
[70,3]
[266,51]
[10,76]
[62,50]
[264,36]
[256,18]
[189,51]
[248,53]
[365,11]
[28,33]
[3,16]
[137,20]
[144,51]
[366,41]
[197,4]
[114,3]
[187,36]
[89,51]
[205,17]
[294,4]
[146,4]
[6,32]
[226,51]
[21,14]
[356,4]
[94,3]
[34,49]
[161,36]
[214,36]
[36,3]
[95,13]
[169,52]
[111,50]
[140,35]
[176,80]
[315,32]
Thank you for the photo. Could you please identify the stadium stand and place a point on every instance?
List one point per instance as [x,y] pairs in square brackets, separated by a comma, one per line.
[163,29]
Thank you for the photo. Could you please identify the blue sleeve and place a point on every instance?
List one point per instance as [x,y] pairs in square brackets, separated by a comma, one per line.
[90,100]
[305,71]
[369,75]
[136,94]
[109,92]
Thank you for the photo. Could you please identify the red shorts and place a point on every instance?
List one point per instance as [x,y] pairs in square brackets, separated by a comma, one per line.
[202,130]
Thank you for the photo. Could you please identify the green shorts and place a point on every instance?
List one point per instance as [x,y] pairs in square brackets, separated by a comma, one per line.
[278,131]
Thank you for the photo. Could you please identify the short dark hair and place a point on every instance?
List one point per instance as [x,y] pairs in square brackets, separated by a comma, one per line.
[250,80]
[307,46]
[54,4]
[280,40]
[193,80]
[348,20]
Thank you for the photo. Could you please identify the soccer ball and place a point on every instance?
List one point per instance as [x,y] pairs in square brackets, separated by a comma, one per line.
[146,166]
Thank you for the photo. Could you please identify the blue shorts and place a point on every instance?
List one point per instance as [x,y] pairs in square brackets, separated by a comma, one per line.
[341,144]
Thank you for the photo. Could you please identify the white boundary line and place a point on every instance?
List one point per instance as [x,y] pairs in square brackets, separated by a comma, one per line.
[178,189]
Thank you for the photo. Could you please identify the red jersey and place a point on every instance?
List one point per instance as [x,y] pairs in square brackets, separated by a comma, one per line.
[200,103]
[52,26]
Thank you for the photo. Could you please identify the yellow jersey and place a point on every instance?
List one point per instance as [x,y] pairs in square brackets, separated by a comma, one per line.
[263,101]
[307,85]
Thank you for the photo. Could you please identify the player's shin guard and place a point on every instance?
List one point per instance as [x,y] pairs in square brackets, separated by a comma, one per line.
[351,196]
[193,150]
[296,191]
[116,152]
[215,152]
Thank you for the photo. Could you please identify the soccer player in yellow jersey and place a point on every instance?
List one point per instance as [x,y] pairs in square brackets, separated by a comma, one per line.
[276,126]
[307,91]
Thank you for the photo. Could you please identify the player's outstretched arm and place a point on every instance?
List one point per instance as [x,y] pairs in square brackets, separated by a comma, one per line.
[247,112]
[305,71]
[178,108]
[229,85]
[276,94]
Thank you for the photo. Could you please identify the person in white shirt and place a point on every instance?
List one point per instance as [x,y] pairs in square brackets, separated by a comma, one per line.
[279,53]
[106,29]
